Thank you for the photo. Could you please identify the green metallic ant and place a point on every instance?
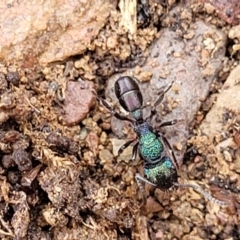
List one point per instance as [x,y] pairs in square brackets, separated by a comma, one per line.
[160,164]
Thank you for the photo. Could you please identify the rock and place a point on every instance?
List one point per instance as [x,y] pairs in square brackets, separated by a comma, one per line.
[126,155]
[21,217]
[50,30]
[234,32]
[3,83]
[78,100]
[83,133]
[192,70]
[105,156]
[228,99]
[228,10]
[152,206]
[237,163]
[93,141]
[236,138]
[22,159]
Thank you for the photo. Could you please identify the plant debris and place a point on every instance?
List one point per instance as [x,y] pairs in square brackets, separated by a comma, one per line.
[60,174]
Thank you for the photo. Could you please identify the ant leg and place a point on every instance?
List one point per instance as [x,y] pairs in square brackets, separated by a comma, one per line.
[168,123]
[158,101]
[169,147]
[204,193]
[134,151]
[110,109]
[125,145]
[139,180]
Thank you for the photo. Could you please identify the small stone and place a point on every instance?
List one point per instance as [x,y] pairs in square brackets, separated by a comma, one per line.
[237,163]
[234,32]
[79,63]
[103,138]
[112,42]
[7,161]
[116,143]
[177,54]
[152,206]
[3,82]
[236,138]
[3,117]
[105,155]
[22,159]
[78,100]
[126,155]
[93,140]
[83,133]
[145,76]
[209,43]
[227,156]
[179,146]
[209,8]
[53,85]
[13,78]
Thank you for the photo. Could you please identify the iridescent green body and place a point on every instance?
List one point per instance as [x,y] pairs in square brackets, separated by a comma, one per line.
[159,167]
[149,144]
[162,173]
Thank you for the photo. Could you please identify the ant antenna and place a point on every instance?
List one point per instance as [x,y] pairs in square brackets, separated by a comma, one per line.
[204,193]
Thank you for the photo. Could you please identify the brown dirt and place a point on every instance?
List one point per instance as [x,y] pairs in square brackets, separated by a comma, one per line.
[62,180]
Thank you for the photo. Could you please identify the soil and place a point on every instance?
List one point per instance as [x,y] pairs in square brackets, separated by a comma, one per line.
[60,173]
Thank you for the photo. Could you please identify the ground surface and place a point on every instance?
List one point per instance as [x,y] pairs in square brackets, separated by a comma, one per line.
[60,175]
